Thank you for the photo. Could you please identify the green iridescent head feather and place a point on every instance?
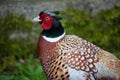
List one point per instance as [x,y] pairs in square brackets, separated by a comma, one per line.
[53,14]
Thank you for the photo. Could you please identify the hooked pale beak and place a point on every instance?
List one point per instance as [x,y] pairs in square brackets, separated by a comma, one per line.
[36,19]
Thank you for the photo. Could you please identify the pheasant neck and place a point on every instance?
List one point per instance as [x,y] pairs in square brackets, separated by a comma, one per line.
[55,33]
[54,39]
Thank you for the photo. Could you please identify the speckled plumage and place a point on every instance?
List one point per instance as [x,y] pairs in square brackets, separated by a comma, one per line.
[78,54]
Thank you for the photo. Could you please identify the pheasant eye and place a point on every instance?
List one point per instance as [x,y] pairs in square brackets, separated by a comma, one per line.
[47,18]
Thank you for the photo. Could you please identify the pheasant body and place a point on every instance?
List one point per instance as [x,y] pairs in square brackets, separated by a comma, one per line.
[73,54]
[68,57]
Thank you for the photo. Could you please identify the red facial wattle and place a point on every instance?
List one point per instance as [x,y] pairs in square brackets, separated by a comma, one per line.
[47,21]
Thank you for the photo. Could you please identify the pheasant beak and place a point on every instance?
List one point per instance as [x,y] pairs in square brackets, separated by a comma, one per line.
[36,19]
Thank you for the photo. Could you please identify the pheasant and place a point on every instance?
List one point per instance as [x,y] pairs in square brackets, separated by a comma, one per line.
[69,57]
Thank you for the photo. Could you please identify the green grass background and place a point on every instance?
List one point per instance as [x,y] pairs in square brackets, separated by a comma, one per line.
[19,36]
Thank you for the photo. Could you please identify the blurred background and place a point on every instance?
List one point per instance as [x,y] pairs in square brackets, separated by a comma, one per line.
[97,21]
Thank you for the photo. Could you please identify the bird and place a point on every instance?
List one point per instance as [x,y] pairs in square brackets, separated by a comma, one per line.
[69,57]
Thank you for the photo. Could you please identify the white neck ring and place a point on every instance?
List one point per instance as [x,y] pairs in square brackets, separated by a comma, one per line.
[54,39]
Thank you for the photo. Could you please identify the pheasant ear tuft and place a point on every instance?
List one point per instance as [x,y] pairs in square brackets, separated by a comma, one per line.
[56,15]
[56,12]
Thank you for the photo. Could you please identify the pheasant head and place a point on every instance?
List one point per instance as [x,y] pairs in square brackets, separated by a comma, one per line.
[51,25]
